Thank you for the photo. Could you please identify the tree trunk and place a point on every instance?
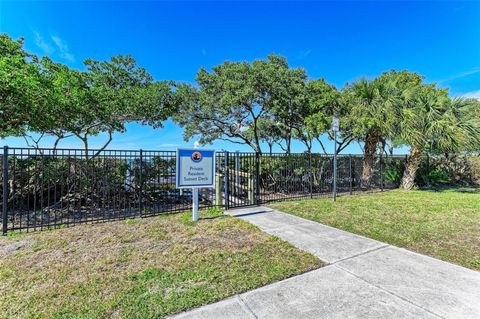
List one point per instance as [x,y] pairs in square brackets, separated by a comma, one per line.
[321,144]
[371,142]
[411,167]
[85,146]
[288,141]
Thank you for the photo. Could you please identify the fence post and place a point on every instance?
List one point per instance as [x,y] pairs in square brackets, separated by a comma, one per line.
[381,173]
[310,174]
[5,191]
[350,174]
[140,180]
[226,191]
[257,179]
[335,166]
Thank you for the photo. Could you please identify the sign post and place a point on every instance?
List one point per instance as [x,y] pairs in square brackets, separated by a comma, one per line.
[335,127]
[195,169]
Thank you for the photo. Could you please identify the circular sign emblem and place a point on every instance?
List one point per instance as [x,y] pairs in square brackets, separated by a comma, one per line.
[196,157]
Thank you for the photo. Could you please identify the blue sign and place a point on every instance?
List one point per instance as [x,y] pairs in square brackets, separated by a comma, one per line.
[195,168]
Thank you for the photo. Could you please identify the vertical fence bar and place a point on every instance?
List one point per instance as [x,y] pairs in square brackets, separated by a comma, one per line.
[428,170]
[227,195]
[140,181]
[381,173]
[350,174]
[310,173]
[5,190]
[237,174]
[257,178]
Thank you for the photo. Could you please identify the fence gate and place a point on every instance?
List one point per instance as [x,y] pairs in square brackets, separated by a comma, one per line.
[241,183]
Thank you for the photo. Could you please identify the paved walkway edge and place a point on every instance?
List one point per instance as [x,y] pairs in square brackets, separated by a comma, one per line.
[365,278]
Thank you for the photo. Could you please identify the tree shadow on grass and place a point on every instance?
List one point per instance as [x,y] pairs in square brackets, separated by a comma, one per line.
[458,189]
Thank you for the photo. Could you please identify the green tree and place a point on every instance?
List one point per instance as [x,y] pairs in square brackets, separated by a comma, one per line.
[21,86]
[230,101]
[104,98]
[434,122]
[288,104]
[268,131]
[43,98]
[65,94]
[471,112]
[324,102]
[371,117]
[375,112]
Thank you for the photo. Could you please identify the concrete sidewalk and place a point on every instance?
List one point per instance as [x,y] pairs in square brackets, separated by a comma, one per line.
[364,279]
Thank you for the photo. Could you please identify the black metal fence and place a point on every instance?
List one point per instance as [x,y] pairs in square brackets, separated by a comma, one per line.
[47,188]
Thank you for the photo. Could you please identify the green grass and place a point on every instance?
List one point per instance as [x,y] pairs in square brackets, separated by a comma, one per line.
[142,268]
[443,224]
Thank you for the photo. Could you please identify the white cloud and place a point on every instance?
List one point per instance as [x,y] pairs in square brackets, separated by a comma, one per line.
[461,75]
[40,42]
[63,48]
[472,94]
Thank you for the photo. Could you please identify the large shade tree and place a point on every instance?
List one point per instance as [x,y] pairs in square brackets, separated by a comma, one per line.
[65,94]
[316,114]
[118,92]
[230,101]
[225,106]
[325,102]
[269,131]
[288,104]
[40,97]
[21,86]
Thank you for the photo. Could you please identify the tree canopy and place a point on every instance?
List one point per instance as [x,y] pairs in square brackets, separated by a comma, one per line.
[44,97]
[230,100]
[20,86]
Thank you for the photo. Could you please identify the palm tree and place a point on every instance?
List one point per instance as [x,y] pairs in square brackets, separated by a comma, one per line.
[371,117]
[431,118]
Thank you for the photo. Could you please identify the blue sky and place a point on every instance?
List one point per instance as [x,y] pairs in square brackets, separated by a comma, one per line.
[340,41]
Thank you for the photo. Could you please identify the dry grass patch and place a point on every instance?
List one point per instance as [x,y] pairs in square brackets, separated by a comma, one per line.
[144,268]
[443,224]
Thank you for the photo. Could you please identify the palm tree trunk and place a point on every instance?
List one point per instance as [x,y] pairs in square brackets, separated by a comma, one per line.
[371,141]
[411,167]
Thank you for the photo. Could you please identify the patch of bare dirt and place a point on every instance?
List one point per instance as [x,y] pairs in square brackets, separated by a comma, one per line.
[9,248]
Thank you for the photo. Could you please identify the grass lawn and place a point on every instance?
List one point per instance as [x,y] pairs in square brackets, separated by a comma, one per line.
[443,224]
[141,268]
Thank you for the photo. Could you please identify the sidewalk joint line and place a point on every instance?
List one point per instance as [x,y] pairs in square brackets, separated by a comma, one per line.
[362,253]
[390,292]
[246,306]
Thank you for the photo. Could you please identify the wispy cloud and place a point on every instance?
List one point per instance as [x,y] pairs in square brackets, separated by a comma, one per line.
[303,54]
[40,42]
[204,52]
[168,145]
[63,48]
[460,75]
[472,94]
